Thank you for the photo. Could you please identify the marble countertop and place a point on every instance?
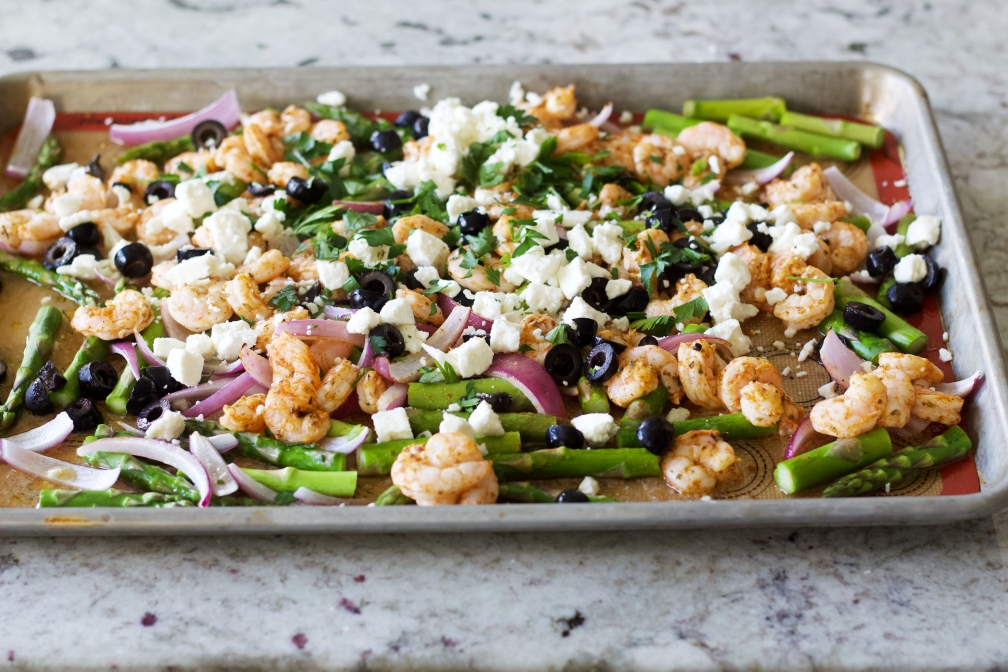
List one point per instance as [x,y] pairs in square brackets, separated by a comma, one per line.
[910,598]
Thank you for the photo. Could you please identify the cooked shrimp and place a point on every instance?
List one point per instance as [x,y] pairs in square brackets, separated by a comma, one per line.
[125,313]
[290,414]
[741,371]
[640,370]
[261,147]
[848,246]
[806,185]
[266,328]
[247,414]
[937,406]
[290,358]
[122,219]
[621,149]
[634,259]
[281,172]
[761,403]
[792,416]
[337,385]
[369,388]
[401,229]
[141,172]
[687,289]
[475,279]
[557,105]
[330,130]
[810,304]
[28,226]
[195,160]
[899,396]
[302,267]
[272,264]
[424,309]
[655,158]
[854,413]
[268,120]
[533,334]
[807,214]
[917,368]
[821,257]
[700,370]
[575,138]
[244,298]
[611,194]
[698,461]
[150,230]
[295,119]
[234,158]
[708,138]
[90,190]
[447,469]
[758,263]
[198,308]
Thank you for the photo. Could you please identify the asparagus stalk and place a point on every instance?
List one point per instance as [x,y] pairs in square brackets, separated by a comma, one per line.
[576,463]
[948,447]
[860,221]
[108,499]
[524,493]
[64,285]
[721,110]
[92,349]
[866,344]
[902,227]
[434,396]
[376,459]
[667,123]
[158,151]
[144,476]
[289,479]
[531,426]
[881,295]
[754,160]
[802,141]
[731,426]
[831,461]
[116,400]
[592,397]
[650,405]
[631,226]
[392,497]
[41,335]
[48,156]
[301,456]
[905,337]
[866,134]
[340,428]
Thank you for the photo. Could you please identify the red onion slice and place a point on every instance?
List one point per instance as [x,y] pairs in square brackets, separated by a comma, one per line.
[159,451]
[349,407]
[228,394]
[257,366]
[336,312]
[916,425]
[201,391]
[367,355]
[46,436]
[128,352]
[307,496]
[393,397]
[451,330]
[760,175]
[225,110]
[346,444]
[381,365]
[840,362]
[805,438]
[37,124]
[145,350]
[320,329]
[672,343]
[223,368]
[602,116]
[221,481]
[129,429]
[961,388]
[250,486]
[898,211]
[426,328]
[369,207]
[223,442]
[863,204]
[531,379]
[408,370]
[65,473]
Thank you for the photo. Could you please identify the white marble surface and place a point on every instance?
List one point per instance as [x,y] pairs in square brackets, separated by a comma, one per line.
[925,598]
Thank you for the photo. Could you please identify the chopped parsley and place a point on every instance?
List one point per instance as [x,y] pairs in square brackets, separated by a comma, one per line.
[285,299]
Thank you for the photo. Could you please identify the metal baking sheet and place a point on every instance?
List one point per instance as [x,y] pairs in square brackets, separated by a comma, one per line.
[887,96]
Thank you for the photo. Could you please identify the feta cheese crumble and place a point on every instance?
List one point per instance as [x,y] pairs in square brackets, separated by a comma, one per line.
[597,428]
[392,425]
[911,268]
[485,421]
[167,427]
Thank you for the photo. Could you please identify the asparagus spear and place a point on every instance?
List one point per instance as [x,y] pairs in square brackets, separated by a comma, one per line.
[531,426]
[754,159]
[667,123]
[301,456]
[866,344]
[802,141]
[116,400]
[108,498]
[730,426]
[576,463]
[831,461]
[650,405]
[630,226]
[433,396]
[158,151]
[947,447]
[41,335]
[64,285]
[881,296]
[523,493]
[144,476]
[902,227]
[905,337]
[376,459]
[289,479]
[860,221]
[721,110]
[392,497]
[592,397]
[866,134]
[92,349]
[48,156]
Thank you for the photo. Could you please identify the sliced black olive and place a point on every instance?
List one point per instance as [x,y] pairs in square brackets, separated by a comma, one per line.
[407,118]
[707,275]
[468,337]
[465,298]
[158,190]
[678,271]
[134,260]
[143,393]
[648,340]
[97,380]
[759,239]
[85,235]
[473,222]
[564,435]
[420,127]
[152,412]
[582,334]
[385,141]
[394,209]
[618,347]
[653,200]
[379,282]
[163,381]
[363,298]
[906,297]
[37,398]
[125,185]
[93,251]
[561,244]
[257,189]
[60,253]
[208,134]
[563,362]
[313,293]
[689,215]
[656,435]
[191,253]
[636,300]
[572,497]
[409,279]
[500,402]
[3,371]
[935,275]
[386,339]
[717,218]
[602,363]
[663,218]
[51,377]
[307,191]
[881,261]
[94,167]
[595,294]
[863,317]
[85,415]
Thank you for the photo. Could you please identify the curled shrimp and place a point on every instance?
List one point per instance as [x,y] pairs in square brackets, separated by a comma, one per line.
[937,406]
[369,388]
[245,299]
[295,119]
[611,194]
[708,138]
[247,414]
[557,105]
[655,158]
[266,328]
[424,309]
[806,185]
[758,264]
[810,304]
[337,385]
[821,258]
[700,370]
[329,131]
[698,461]
[281,172]
[272,264]
[917,368]
[475,279]
[303,267]
[195,160]
[533,334]
[125,313]
[855,412]
[138,172]
[29,226]
[90,190]
[792,416]
[634,259]
[640,370]
[447,469]
[899,396]
[741,371]
[234,158]
[761,403]
[807,214]
[290,403]
[198,308]
[848,246]
[268,120]
[264,149]
[401,229]
[575,138]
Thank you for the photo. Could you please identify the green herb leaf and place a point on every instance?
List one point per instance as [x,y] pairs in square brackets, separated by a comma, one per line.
[377,237]
[285,299]
[557,335]
[520,117]
[695,308]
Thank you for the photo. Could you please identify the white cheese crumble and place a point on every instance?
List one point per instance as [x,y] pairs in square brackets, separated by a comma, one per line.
[360,249]
[677,414]
[453,423]
[892,242]
[363,321]
[608,241]
[334,99]
[589,486]
[167,427]
[332,274]
[485,421]
[185,367]
[505,336]
[229,230]
[574,278]
[396,312]
[615,288]
[807,350]
[775,296]
[828,391]
[421,90]
[911,268]
[229,337]
[730,331]
[163,347]
[200,344]
[55,178]
[597,428]
[391,425]
[923,232]
[195,198]
[425,249]
[580,308]
[469,359]
[944,355]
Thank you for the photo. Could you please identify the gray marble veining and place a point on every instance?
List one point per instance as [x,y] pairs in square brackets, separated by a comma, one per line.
[919,598]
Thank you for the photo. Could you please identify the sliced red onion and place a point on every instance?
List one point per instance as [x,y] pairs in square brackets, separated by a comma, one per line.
[250,486]
[108,280]
[307,496]
[477,322]
[221,481]
[223,442]
[320,329]
[610,127]
[228,394]
[861,203]
[672,343]
[760,175]
[446,303]
[382,366]
[426,328]
[393,397]
[451,329]
[145,350]
[367,355]
[346,444]
[129,353]
[224,110]
[602,116]
[898,211]
[531,379]
[408,370]
[159,451]
[37,124]
[45,437]
[561,232]
[917,429]
[257,366]
[336,312]
[805,438]
[172,328]
[961,388]
[840,362]
[129,429]
[223,368]
[65,473]
[201,391]
[369,207]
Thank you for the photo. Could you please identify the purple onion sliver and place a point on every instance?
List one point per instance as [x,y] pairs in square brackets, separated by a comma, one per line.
[250,486]
[228,394]
[224,110]
[47,436]
[57,471]
[307,496]
[128,352]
